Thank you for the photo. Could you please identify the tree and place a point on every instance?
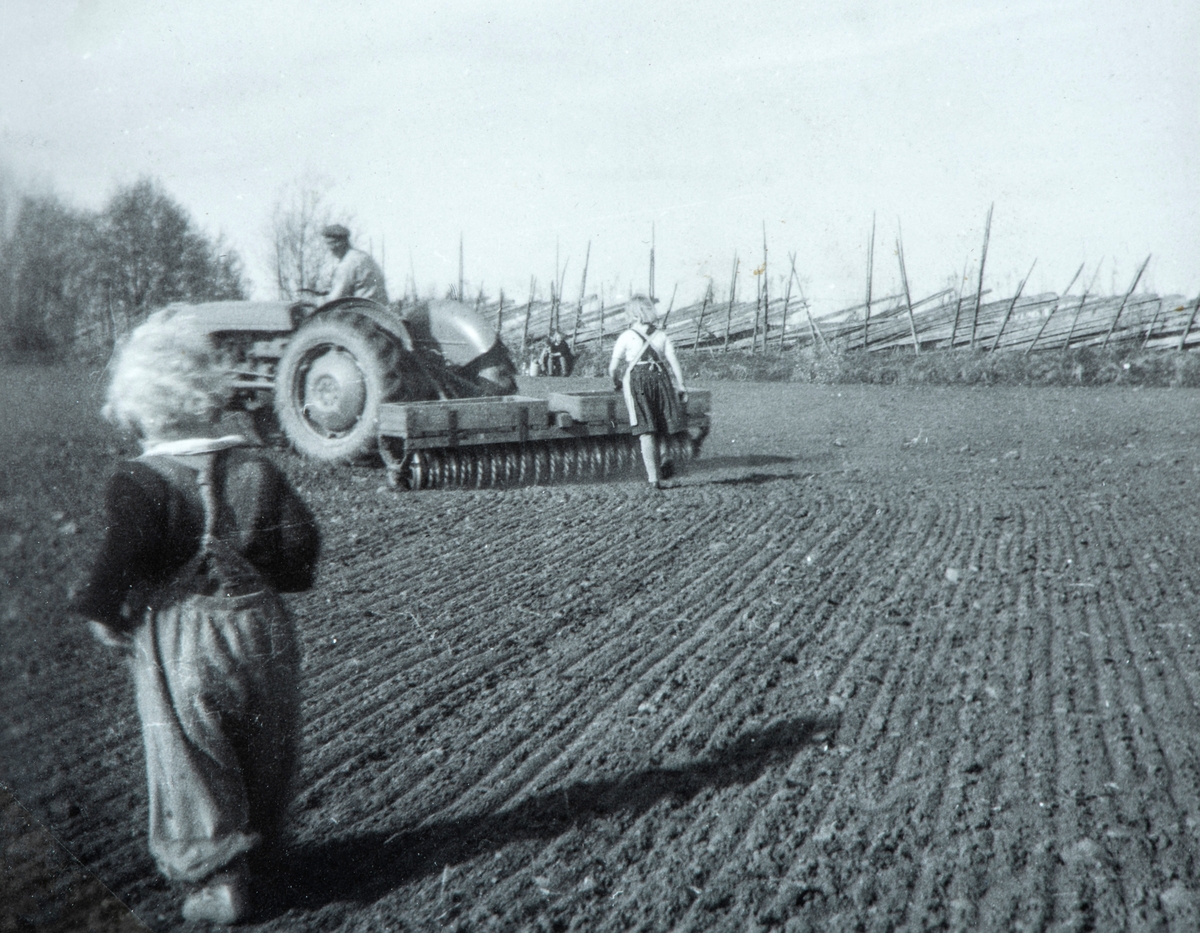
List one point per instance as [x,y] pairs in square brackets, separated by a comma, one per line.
[299,256]
[72,279]
[150,254]
[44,266]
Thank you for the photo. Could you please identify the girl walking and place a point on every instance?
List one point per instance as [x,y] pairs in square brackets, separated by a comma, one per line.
[652,383]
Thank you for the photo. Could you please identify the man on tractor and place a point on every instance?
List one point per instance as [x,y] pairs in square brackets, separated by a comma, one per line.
[356,275]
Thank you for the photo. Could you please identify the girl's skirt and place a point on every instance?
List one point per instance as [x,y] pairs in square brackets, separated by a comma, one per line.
[656,406]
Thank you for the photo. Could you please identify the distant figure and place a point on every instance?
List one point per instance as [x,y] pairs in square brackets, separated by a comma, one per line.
[200,536]
[356,275]
[655,403]
[557,358]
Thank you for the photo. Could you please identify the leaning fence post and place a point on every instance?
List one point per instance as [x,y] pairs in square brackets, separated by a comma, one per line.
[987,232]
[528,311]
[600,339]
[1029,348]
[1117,316]
[670,306]
[817,336]
[1012,304]
[1079,310]
[757,307]
[1153,321]
[1187,329]
[958,305]
[732,292]
[708,293]
[816,327]
[766,292]
[787,295]
[912,323]
[870,277]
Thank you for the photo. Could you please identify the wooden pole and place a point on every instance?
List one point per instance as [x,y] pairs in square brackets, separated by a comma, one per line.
[1117,316]
[652,261]
[1079,310]
[757,308]
[958,304]
[671,305]
[1036,336]
[1012,304]
[528,311]
[554,279]
[500,314]
[460,267]
[870,278]
[582,291]
[558,295]
[732,293]
[708,293]
[1188,327]
[817,336]
[1153,321]
[787,295]
[987,233]
[766,290]
[600,339]
[912,321]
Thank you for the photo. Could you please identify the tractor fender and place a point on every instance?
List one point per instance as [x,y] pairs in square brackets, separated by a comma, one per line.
[453,329]
[385,319]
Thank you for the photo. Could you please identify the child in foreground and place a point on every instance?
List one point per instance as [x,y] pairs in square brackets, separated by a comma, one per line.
[202,534]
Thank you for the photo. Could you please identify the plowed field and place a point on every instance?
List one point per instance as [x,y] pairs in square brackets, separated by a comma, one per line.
[884,659]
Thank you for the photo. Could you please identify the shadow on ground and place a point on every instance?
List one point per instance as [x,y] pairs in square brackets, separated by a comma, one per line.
[708,464]
[742,469]
[366,867]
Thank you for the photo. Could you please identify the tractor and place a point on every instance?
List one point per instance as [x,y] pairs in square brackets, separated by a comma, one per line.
[319,374]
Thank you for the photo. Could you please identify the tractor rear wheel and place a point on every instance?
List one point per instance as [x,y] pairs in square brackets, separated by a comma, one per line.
[333,376]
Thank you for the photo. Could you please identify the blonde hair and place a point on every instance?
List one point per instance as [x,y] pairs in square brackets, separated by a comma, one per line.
[641,310]
[166,376]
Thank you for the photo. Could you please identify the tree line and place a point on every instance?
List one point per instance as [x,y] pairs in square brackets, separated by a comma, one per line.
[72,281]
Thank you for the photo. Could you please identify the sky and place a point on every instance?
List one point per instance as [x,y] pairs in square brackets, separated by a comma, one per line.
[542,132]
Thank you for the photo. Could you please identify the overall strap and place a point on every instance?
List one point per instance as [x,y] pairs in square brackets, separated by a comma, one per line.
[208,496]
[222,563]
[646,346]
[217,566]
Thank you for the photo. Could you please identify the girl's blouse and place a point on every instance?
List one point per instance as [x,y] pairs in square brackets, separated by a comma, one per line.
[628,349]
[154,526]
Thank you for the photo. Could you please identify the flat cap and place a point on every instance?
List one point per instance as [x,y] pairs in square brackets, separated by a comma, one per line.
[336,232]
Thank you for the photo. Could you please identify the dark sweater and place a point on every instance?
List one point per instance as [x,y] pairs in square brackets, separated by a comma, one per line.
[154,526]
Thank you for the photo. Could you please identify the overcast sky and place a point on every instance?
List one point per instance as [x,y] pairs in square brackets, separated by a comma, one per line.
[533,127]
